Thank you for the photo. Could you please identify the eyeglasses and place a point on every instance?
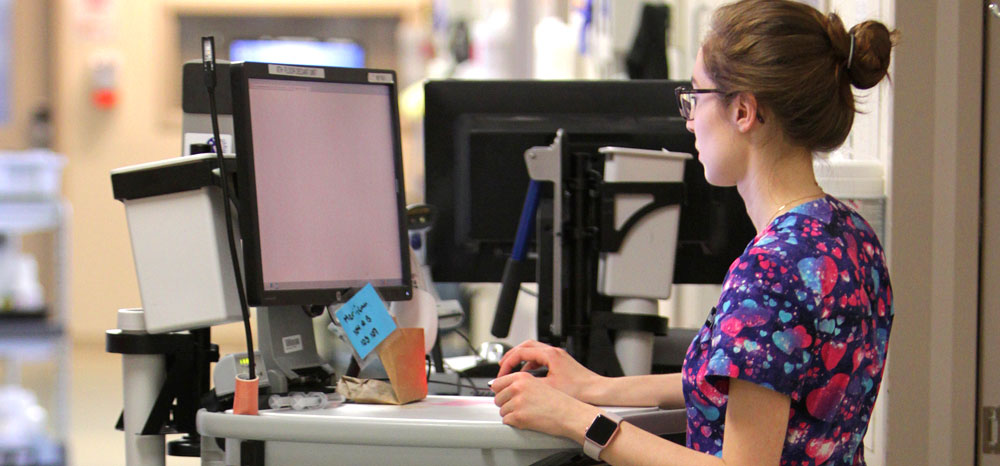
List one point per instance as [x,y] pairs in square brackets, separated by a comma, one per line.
[687,98]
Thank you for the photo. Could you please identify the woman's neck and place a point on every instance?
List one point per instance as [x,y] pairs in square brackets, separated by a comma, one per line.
[780,177]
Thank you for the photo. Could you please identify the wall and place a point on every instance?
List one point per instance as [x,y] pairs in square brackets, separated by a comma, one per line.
[141,128]
[932,242]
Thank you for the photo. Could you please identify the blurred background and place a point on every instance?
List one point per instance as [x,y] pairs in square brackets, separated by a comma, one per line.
[87,86]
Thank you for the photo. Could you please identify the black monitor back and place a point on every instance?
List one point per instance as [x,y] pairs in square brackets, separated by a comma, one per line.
[475,135]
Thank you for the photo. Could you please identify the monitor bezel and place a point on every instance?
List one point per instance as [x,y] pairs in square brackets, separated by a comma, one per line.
[257,295]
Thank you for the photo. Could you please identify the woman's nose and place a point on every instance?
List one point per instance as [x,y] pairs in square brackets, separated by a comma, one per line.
[689,125]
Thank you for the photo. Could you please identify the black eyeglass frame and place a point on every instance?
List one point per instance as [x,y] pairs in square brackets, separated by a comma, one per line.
[686,113]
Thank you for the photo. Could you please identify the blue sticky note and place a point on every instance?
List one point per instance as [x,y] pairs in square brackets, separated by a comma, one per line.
[365,320]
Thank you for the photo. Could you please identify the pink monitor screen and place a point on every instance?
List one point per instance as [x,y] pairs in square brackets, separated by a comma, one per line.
[326,185]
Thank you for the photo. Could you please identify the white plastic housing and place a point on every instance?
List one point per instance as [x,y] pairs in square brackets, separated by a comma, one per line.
[644,266]
[182,260]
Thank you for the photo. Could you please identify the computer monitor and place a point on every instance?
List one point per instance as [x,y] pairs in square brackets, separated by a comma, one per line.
[475,135]
[320,182]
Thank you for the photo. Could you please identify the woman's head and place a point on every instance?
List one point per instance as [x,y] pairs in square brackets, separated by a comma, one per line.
[798,64]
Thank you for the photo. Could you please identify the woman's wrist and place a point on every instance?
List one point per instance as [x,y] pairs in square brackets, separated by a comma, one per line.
[594,391]
[576,424]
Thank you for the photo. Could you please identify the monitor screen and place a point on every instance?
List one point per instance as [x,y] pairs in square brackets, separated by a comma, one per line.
[319,165]
[341,53]
[475,135]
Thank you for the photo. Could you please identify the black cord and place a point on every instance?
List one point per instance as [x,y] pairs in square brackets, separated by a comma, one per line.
[209,63]
[472,385]
[467,341]
[479,391]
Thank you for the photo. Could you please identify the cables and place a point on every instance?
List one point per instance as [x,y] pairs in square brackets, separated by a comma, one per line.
[467,341]
[208,63]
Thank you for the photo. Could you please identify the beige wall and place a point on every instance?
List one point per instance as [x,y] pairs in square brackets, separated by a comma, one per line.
[143,127]
[933,244]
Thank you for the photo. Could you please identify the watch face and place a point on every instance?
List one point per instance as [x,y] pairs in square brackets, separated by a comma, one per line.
[601,430]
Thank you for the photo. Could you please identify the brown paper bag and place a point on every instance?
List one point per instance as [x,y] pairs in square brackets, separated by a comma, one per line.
[402,355]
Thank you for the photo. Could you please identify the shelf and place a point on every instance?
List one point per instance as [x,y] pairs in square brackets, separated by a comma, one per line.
[23,315]
[41,452]
[26,216]
[30,341]
[33,336]
[17,328]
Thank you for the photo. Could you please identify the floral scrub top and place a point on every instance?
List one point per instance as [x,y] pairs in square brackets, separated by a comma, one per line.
[805,311]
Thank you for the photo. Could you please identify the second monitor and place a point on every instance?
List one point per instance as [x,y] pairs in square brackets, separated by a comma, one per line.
[476,133]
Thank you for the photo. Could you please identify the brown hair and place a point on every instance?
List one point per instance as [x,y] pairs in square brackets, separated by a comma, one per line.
[798,64]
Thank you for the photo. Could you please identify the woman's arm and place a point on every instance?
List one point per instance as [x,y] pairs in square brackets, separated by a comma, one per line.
[568,376]
[663,390]
[756,424]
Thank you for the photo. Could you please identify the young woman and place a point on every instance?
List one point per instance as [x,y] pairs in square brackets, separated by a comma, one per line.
[788,364]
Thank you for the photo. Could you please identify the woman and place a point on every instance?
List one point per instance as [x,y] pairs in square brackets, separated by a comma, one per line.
[788,364]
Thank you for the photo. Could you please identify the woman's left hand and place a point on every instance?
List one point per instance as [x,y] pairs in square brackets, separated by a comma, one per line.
[527,402]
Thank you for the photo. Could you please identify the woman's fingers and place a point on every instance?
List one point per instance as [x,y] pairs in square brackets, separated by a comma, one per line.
[500,384]
[527,402]
[530,365]
[525,344]
[532,355]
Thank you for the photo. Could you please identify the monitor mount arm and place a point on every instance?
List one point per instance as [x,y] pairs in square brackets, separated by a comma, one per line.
[583,229]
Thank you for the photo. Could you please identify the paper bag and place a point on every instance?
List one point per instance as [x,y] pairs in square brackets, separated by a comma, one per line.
[402,355]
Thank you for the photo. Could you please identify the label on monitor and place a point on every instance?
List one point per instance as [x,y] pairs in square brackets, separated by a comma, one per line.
[292,343]
[366,321]
[385,78]
[300,71]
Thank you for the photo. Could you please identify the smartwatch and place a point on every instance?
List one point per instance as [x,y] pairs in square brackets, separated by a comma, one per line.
[600,433]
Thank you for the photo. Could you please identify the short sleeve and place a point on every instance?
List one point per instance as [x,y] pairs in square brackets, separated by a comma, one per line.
[764,331]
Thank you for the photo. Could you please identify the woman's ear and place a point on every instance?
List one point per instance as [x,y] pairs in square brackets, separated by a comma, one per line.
[746,112]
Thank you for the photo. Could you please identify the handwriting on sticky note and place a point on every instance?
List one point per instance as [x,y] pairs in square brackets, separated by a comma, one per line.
[365,320]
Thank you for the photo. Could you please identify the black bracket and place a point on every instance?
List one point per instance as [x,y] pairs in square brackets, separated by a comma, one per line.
[601,344]
[187,358]
[664,194]
[646,323]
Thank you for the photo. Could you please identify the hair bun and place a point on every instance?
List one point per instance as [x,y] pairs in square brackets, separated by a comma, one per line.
[869,62]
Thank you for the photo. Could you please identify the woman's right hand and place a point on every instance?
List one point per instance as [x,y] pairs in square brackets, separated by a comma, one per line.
[564,373]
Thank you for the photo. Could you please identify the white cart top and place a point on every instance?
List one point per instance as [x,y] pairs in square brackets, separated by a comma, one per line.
[437,421]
